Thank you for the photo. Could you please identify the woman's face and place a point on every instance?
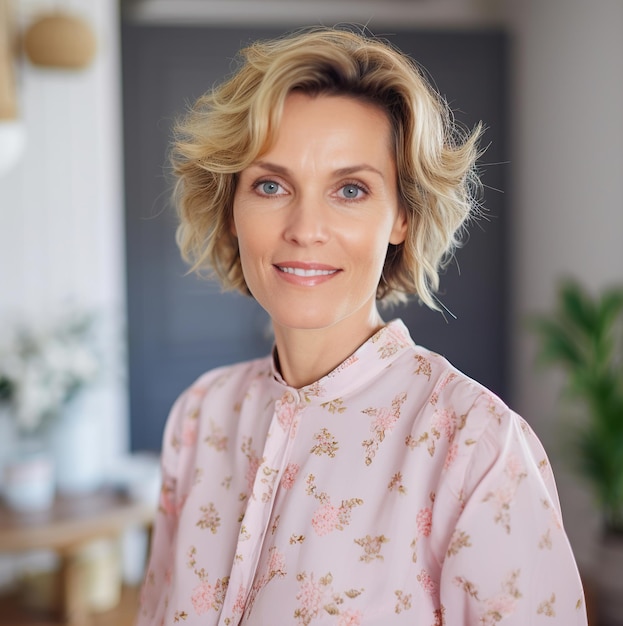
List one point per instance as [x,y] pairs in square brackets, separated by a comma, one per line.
[314,215]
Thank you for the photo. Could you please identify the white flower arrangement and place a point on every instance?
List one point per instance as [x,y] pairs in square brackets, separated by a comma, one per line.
[42,367]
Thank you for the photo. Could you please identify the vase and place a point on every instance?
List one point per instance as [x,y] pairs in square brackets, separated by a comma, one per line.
[101,561]
[28,476]
[75,443]
[608,577]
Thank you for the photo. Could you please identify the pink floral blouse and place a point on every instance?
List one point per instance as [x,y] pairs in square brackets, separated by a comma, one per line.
[395,490]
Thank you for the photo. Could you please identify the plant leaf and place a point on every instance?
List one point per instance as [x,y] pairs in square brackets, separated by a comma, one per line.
[585,336]
[577,307]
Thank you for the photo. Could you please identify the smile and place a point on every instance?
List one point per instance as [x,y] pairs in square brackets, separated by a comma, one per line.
[297,271]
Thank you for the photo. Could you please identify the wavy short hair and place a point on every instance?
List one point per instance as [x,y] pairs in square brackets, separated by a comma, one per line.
[234,123]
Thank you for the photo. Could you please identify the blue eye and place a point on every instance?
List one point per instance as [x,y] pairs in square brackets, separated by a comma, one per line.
[269,187]
[351,192]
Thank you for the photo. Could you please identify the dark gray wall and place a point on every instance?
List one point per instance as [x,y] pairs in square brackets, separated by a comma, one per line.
[180,326]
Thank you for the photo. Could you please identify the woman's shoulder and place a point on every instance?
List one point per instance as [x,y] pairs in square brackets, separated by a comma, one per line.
[224,384]
[446,384]
[234,376]
[217,392]
[448,397]
[482,421]
[472,425]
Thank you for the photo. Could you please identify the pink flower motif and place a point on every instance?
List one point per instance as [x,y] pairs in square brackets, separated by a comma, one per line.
[514,468]
[504,496]
[425,521]
[189,432]
[203,598]
[351,360]
[453,450]
[286,411]
[393,341]
[323,438]
[444,383]
[427,583]
[310,597]
[385,420]
[276,562]
[325,519]
[254,465]
[238,608]
[445,422]
[502,605]
[289,475]
[198,391]
[350,618]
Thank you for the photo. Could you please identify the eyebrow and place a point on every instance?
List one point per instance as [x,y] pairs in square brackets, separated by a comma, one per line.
[343,171]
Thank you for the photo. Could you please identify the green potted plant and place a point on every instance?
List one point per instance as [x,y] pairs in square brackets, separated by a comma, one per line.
[6,389]
[584,336]
[6,431]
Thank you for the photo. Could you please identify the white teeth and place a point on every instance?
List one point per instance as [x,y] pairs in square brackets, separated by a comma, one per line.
[301,272]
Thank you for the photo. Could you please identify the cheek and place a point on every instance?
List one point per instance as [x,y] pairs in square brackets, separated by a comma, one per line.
[245,250]
[239,223]
[370,243]
[253,243]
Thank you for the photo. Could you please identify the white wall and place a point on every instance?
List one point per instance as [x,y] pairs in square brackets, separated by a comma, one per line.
[455,14]
[61,208]
[567,213]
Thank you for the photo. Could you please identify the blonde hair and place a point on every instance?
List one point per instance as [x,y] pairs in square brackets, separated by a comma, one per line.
[230,126]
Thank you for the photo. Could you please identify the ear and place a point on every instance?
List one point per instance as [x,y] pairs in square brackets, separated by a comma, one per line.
[400,227]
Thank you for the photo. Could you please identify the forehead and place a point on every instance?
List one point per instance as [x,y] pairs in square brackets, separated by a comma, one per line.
[335,124]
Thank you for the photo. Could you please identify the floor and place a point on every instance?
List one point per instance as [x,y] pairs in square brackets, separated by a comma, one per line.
[123,615]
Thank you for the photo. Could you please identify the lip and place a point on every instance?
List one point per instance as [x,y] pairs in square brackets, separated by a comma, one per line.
[305,274]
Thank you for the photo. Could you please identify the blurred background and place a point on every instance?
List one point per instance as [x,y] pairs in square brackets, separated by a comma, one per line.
[86,228]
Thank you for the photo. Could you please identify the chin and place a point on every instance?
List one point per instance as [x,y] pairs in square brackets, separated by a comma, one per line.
[304,315]
[305,321]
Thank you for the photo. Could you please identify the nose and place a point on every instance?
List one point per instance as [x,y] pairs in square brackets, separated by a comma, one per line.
[307,222]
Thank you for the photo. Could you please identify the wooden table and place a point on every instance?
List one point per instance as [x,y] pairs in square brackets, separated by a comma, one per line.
[66,528]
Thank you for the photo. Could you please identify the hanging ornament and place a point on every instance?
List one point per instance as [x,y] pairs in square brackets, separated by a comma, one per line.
[60,40]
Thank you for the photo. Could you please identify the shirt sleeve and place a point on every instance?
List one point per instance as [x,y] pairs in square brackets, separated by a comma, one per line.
[508,560]
[156,586]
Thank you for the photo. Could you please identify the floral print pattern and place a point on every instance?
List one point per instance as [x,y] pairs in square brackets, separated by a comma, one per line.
[371,547]
[395,490]
[205,597]
[328,517]
[325,444]
[384,420]
[289,476]
[503,497]
[498,607]
[316,597]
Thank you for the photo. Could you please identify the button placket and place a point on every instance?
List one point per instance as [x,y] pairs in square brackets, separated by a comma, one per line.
[260,504]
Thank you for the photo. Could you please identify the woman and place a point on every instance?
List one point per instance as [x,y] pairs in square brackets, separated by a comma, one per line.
[352,477]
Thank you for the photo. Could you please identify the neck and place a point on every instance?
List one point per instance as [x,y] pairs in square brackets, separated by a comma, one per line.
[306,355]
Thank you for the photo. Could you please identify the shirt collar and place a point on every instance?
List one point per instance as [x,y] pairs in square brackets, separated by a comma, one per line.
[373,356]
